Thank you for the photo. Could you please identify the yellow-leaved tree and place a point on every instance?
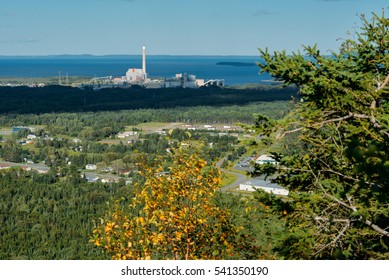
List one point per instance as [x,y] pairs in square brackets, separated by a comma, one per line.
[173,215]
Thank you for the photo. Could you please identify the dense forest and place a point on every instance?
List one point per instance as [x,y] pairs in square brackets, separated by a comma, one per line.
[43,217]
[68,99]
[74,123]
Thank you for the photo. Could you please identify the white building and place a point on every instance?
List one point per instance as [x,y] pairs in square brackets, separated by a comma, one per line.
[134,75]
[258,183]
[126,134]
[265,159]
[137,76]
[108,180]
[91,167]
[184,81]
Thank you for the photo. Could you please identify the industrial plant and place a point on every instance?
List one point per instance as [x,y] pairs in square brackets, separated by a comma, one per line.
[139,77]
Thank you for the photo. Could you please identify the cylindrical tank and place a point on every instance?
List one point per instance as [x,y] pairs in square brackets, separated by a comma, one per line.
[191,78]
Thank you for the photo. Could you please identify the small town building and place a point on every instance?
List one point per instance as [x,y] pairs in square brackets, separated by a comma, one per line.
[91,167]
[108,180]
[4,166]
[267,186]
[19,128]
[126,134]
[265,159]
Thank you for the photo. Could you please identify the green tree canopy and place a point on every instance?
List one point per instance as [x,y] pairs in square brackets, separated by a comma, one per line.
[339,177]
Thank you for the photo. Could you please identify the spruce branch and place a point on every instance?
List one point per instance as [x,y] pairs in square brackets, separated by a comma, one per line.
[349,206]
[320,124]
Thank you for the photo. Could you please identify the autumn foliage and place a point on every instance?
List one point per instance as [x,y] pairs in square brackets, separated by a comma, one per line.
[173,215]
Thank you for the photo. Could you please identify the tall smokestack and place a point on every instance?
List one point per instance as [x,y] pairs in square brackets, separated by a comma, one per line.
[144,61]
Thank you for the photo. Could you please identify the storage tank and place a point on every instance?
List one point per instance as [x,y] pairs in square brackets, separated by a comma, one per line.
[191,78]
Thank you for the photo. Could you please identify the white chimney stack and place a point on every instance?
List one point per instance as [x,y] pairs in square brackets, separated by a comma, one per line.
[144,61]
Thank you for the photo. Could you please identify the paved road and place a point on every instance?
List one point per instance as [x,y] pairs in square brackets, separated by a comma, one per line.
[40,166]
[239,180]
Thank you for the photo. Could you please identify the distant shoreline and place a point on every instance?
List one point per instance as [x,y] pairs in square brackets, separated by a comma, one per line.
[203,67]
[237,64]
[58,56]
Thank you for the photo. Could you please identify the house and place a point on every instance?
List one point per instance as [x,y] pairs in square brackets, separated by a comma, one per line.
[41,171]
[265,159]
[126,134]
[259,183]
[90,178]
[107,169]
[108,180]
[124,172]
[26,168]
[4,166]
[161,132]
[128,182]
[91,167]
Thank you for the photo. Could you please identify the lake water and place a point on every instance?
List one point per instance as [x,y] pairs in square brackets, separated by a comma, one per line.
[204,67]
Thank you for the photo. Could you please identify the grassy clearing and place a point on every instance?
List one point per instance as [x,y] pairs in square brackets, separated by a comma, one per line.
[154,126]
[228,178]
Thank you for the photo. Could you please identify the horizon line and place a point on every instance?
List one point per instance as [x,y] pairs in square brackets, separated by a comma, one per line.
[99,55]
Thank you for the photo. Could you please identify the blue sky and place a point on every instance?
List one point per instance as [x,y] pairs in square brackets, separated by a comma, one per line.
[176,27]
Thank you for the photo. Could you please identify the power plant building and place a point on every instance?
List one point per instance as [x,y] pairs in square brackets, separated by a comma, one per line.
[184,81]
[136,76]
[139,76]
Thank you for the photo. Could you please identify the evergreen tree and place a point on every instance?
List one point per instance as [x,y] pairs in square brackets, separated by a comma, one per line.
[338,176]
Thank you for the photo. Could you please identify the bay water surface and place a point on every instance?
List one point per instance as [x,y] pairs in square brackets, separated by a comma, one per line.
[233,69]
